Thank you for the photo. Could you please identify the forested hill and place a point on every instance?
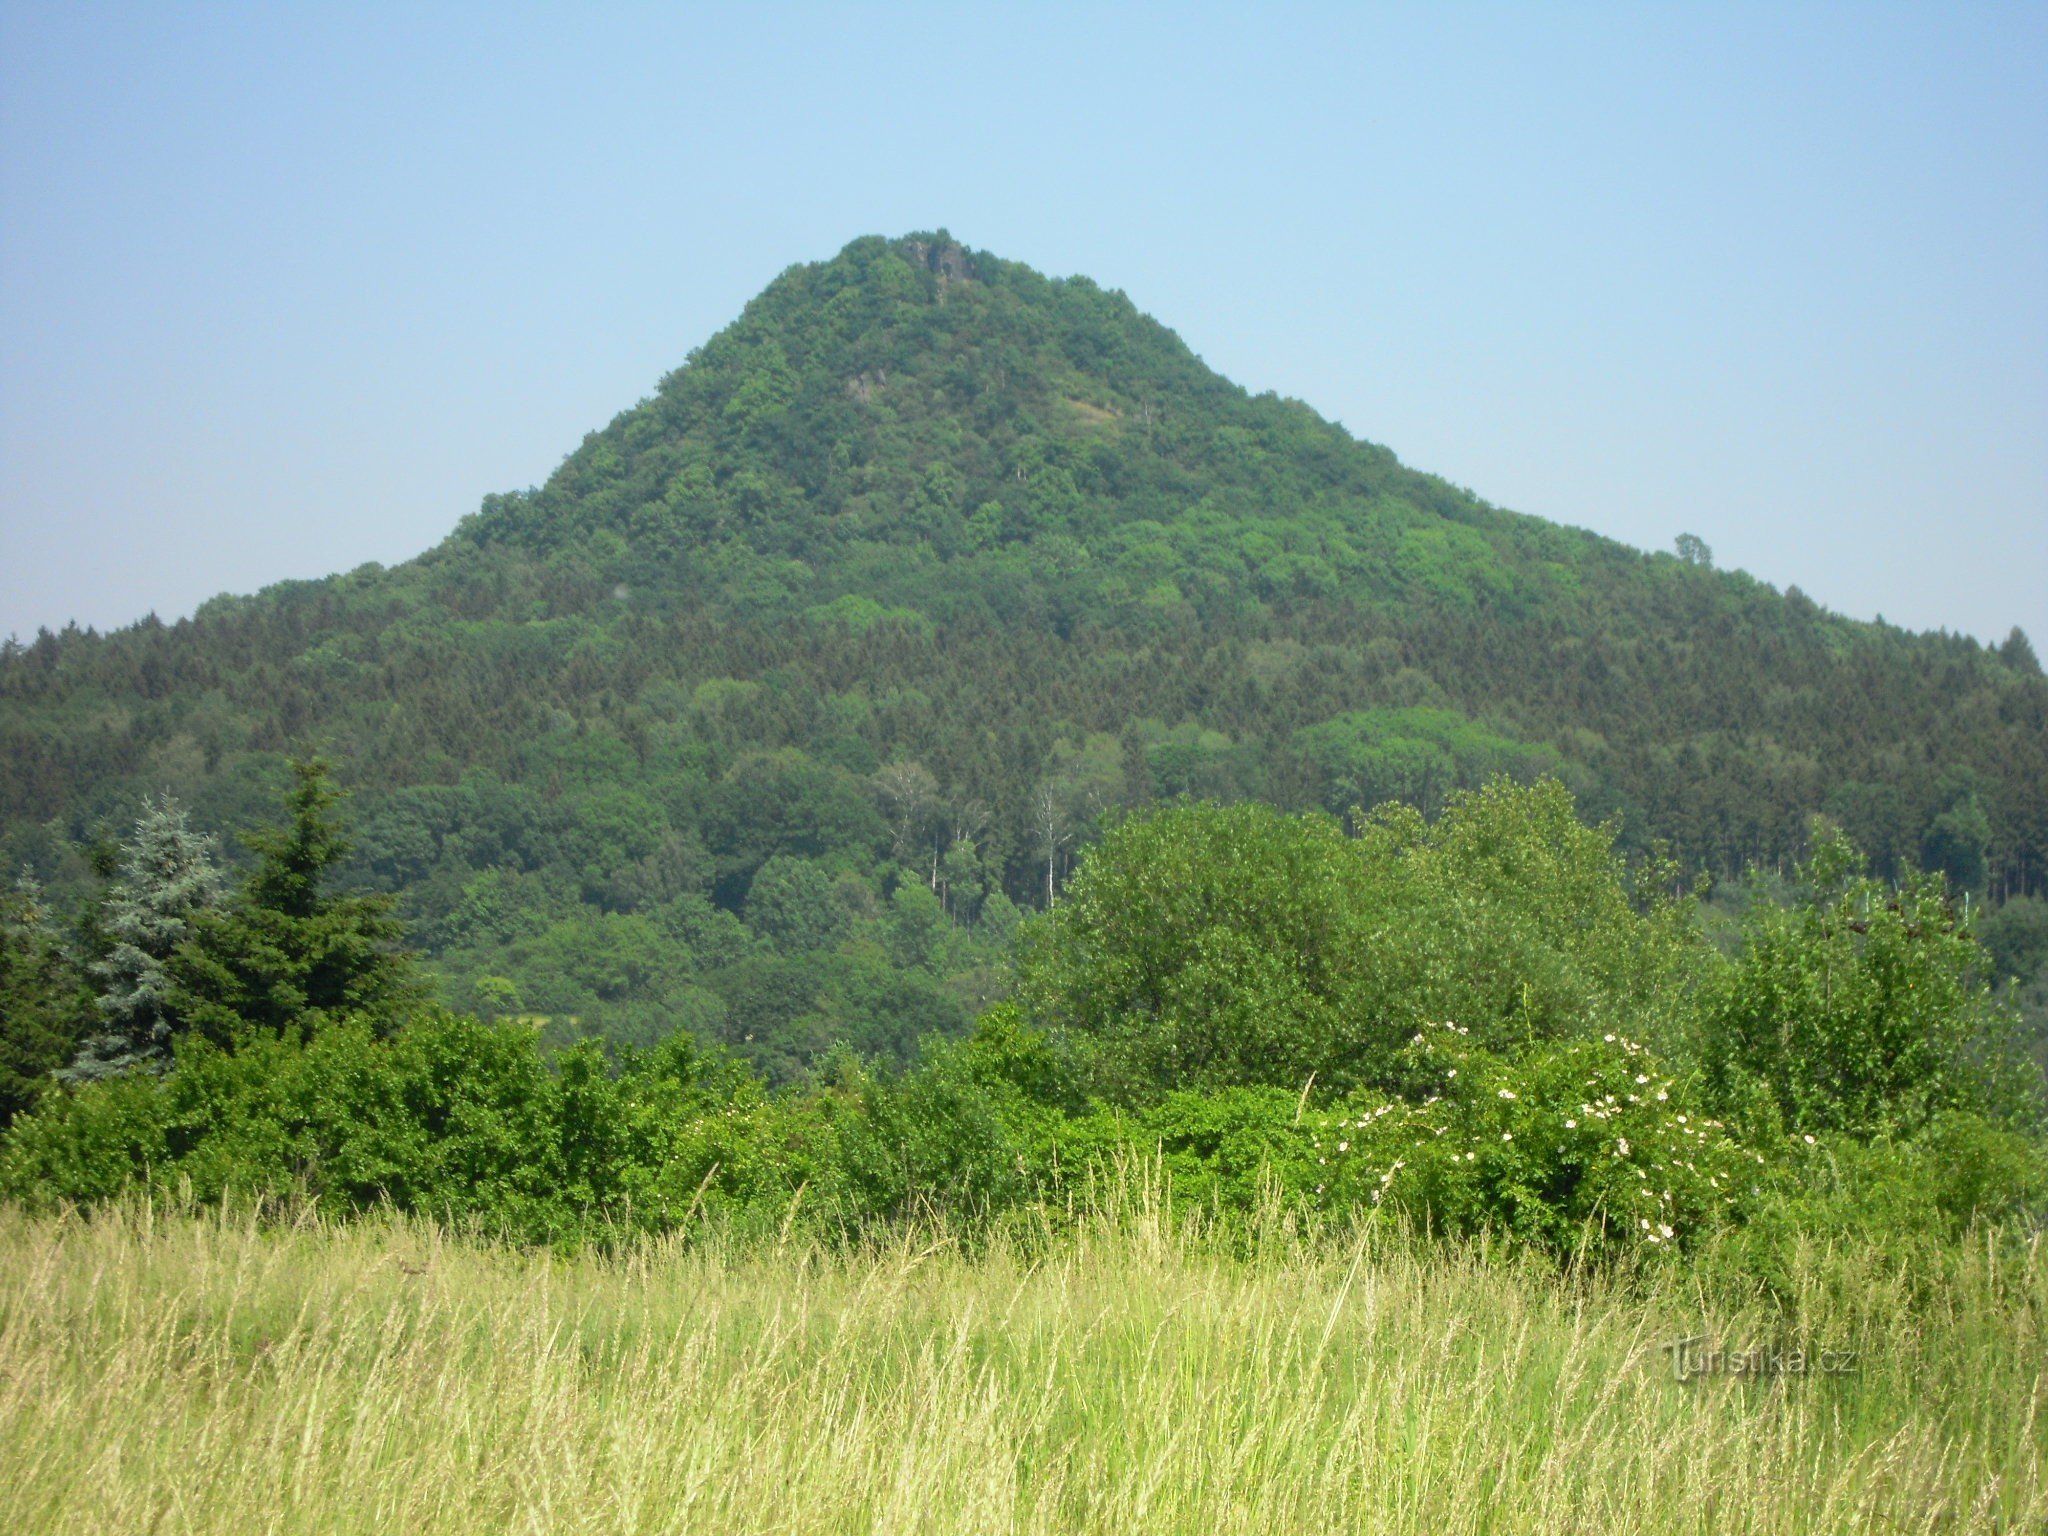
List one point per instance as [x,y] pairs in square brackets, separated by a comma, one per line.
[930,563]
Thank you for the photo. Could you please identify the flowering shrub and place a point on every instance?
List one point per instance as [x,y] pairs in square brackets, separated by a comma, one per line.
[1585,1146]
[1581,1145]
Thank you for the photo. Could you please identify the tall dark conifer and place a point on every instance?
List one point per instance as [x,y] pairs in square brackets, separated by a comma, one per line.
[288,953]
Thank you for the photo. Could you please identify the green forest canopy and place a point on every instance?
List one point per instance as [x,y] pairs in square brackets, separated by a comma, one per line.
[771,709]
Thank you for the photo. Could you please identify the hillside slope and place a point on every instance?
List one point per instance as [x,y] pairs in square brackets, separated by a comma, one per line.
[770,707]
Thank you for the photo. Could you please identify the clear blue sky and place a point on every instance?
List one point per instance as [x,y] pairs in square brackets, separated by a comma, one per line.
[288,288]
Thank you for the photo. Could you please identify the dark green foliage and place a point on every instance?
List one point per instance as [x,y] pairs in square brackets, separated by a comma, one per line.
[1955,842]
[931,587]
[287,954]
[782,1013]
[922,509]
[44,1003]
[794,904]
[782,803]
[1532,1123]
[2015,936]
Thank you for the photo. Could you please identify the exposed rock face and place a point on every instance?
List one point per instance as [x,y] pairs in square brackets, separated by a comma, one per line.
[943,256]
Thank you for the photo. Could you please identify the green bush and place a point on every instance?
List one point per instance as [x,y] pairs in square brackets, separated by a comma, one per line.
[1254,1005]
[1864,1008]
[1207,946]
[1588,1146]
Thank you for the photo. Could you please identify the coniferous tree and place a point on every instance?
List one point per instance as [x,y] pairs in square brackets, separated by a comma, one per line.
[2018,653]
[887,549]
[287,953]
[166,878]
[42,1000]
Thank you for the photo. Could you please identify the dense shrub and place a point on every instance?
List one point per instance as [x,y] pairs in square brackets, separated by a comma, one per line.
[1586,1145]
[1220,997]
[1864,1008]
[467,1119]
[1206,946]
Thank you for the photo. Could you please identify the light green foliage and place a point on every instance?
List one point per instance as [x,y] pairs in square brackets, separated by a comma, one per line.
[1580,1148]
[1206,945]
[463,1118]
[856,615]
[1864,1008]
[1960,1178]
[962,877]
[999,918]
[1453,565]
[1193,761]
[1524,923]
[598,958]
[1198,947]
[1586,1146]
[1419,756]
[1478,1025]
[917,925]
[919,505]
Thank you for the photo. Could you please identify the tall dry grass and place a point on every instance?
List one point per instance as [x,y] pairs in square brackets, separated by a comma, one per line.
[210,1372]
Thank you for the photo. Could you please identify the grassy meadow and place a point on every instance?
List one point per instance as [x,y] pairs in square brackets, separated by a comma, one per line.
[172,1371]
